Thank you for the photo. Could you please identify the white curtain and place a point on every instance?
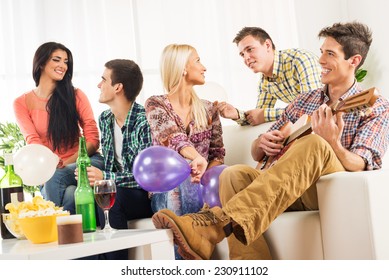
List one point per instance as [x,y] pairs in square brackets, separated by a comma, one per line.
[99,30]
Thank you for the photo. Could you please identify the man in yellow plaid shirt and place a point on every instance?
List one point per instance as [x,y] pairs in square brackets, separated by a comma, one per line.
[285,74]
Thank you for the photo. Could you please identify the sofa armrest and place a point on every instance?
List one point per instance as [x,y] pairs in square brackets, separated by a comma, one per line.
[353,214]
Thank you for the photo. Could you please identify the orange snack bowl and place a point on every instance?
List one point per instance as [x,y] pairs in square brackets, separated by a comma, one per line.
[40,229]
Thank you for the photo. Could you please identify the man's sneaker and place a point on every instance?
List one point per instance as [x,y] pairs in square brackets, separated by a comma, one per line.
[195,234]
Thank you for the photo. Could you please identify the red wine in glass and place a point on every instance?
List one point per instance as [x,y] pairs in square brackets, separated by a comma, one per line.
[105,194]
[105,200]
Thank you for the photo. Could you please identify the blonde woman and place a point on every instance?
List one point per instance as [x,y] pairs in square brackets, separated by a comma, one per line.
[181,121]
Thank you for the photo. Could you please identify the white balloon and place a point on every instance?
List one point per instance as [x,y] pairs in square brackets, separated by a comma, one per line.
[35,164]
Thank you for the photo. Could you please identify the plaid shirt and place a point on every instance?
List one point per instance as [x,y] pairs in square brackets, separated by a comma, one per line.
[294,71]
[365,135]
[136,137]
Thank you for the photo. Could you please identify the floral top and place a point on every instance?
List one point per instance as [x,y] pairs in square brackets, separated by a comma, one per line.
[167,129]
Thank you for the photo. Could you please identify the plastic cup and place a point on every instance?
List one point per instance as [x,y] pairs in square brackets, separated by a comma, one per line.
[69,229]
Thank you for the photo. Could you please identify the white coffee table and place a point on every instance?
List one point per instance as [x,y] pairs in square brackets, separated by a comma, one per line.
[157,245]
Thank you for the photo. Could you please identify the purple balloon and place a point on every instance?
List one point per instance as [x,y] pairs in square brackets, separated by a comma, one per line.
[210,185]
[160,169]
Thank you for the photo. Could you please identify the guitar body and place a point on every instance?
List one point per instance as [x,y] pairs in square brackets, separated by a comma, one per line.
[302,127]
[294,130]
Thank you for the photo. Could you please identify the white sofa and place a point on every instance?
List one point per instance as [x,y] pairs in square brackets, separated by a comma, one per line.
[352,222]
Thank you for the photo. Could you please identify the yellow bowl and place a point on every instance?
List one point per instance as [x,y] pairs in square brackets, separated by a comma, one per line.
[40,229]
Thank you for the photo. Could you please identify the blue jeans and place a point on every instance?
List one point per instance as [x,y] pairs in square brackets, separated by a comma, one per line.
[184,199]
[60,188]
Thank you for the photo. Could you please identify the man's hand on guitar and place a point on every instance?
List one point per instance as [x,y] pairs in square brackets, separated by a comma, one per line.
[327,124]
[271,142]
[267,145]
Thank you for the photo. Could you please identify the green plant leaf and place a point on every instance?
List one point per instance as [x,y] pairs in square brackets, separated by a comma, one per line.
[360,74]
[31,189]
[11,139]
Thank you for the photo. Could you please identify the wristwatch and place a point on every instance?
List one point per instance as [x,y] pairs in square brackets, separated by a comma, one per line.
[242,118]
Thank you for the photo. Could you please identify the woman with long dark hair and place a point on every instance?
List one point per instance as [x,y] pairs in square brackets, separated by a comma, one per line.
[55,114]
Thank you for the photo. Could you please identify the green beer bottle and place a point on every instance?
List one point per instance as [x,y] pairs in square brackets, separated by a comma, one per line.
[84,197]
[83,153]
[11,189]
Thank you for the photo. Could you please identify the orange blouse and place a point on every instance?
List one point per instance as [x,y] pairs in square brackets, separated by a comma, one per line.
[33,118]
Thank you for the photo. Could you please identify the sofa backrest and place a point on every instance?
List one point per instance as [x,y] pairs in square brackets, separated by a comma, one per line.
[237,142]
[238,139]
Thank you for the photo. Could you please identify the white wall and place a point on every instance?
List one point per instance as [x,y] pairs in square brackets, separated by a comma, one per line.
[99,30]
[291,23]
[314,15]
[375,14]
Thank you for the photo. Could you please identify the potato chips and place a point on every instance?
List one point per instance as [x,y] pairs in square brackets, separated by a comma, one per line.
[37,207]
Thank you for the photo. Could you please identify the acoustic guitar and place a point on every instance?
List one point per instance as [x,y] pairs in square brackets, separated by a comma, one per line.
[360,101]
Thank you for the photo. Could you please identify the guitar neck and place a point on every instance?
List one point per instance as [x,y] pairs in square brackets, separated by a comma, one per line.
[360,100]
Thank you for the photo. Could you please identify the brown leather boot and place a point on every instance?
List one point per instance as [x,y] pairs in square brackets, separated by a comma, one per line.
[195,234]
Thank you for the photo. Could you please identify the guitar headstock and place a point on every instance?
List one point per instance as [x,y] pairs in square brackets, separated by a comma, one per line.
[362,100]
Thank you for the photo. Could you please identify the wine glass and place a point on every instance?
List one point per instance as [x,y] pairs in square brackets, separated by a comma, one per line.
[105,194]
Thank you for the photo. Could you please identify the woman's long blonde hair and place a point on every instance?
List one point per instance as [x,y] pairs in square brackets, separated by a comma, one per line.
[173,62]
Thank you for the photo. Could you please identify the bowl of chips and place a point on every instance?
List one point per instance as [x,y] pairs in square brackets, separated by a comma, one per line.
[36,219]
[13,226]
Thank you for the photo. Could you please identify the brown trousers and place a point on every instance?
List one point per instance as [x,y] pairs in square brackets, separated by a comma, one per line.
[254,198]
